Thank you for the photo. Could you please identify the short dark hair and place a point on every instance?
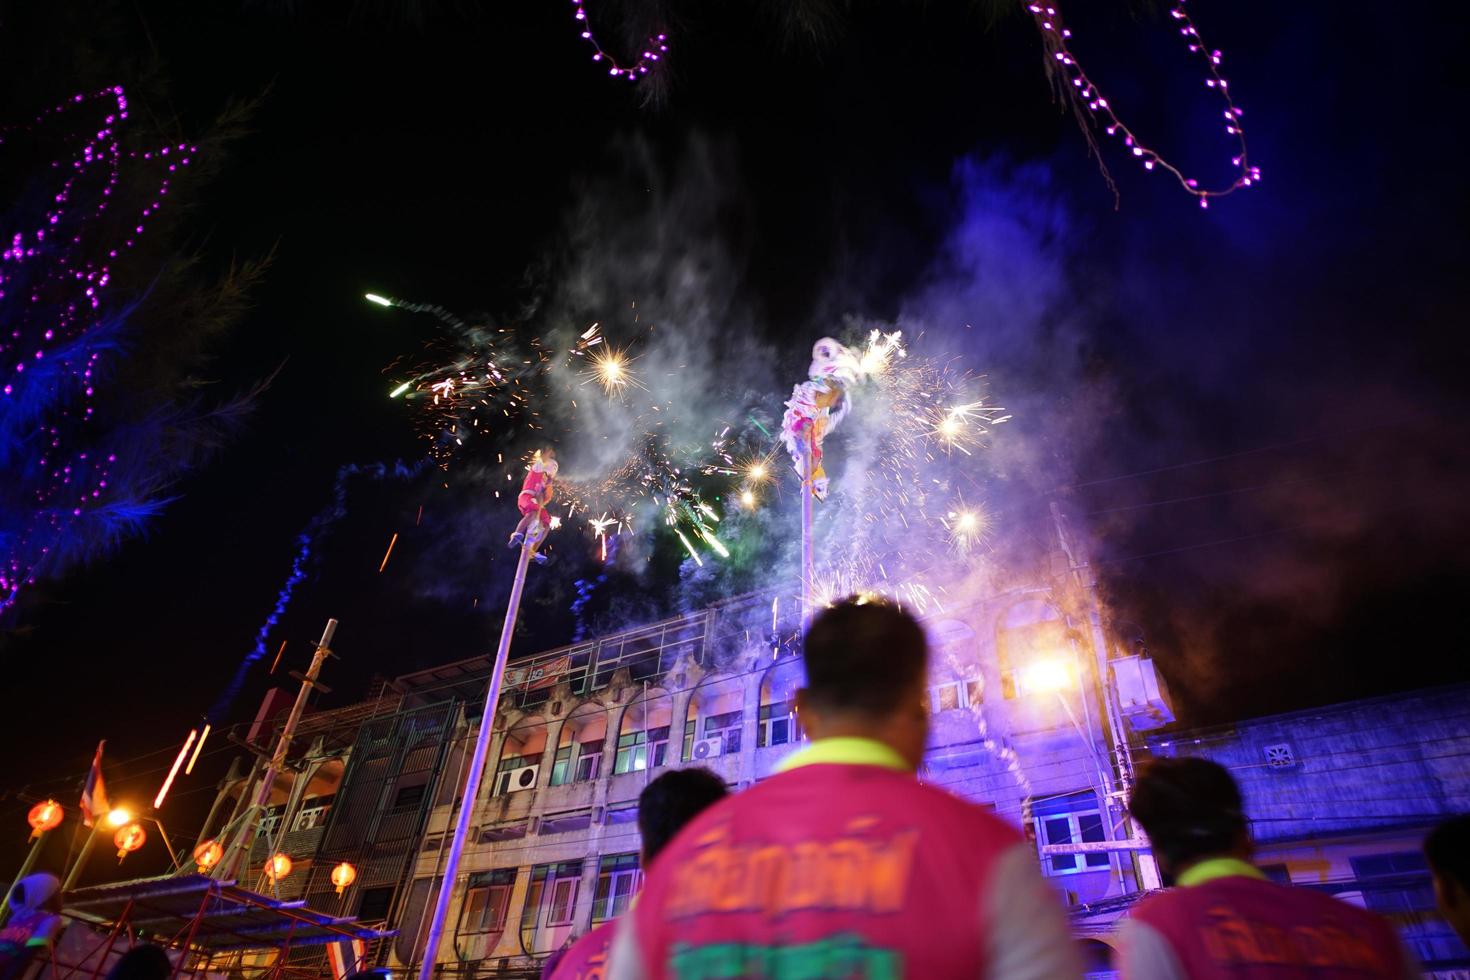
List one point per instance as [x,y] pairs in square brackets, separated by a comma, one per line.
[1447,849]
[1190,808]
[864,655]
[143,962]
[671,801]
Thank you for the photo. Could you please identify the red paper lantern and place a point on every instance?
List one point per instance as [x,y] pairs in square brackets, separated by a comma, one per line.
[43,817]
[343,875]
[128,839]
[207,854]
[278,867]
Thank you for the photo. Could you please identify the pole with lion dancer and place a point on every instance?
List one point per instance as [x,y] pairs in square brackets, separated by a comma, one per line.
[534,526]
[815,408]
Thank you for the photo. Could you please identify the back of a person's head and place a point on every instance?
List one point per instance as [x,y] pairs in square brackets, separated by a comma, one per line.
[863,656]
[1447,849]
[1190,808]
[671,801]
[145,962]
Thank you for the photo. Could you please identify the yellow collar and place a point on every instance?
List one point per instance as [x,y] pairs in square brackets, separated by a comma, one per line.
[1198,874]
[847,751]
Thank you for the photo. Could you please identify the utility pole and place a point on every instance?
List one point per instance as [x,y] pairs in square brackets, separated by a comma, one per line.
[477,761]
[1119,775]
[239,848]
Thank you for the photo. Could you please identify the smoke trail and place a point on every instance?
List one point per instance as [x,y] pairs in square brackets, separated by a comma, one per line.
[307,543]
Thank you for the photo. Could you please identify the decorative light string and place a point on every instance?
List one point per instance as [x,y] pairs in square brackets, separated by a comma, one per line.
[652,52]
[1055,36]
[52,280]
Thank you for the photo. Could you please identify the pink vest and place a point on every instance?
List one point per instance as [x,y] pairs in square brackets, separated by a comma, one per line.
[1240,928]
[825,870]
[587,957]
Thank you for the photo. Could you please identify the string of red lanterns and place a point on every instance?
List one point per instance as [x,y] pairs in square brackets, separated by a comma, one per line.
[1054,37]
[656,47]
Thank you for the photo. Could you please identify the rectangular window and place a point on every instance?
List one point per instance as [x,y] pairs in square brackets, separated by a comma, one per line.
[658,745]
[373,906]
[589,761]
[777,724]
[487,901]
[617,879]
[621,814]
[954,695]
[551,899]
[632,752]
[312,816]
[1070,819]
[409,797]
[726,727]
[561,770]
[563,902]
[688,752]
[1393,863]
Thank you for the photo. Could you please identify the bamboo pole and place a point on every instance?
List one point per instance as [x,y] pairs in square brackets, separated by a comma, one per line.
[806,527]
[477,762]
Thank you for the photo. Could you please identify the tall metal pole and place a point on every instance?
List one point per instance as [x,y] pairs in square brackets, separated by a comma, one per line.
[25,869]
[245,838]
[807,563]
[477,763]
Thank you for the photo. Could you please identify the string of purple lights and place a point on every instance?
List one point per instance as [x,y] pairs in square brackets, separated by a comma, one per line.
[1055,37]
[657,45]
[53,279]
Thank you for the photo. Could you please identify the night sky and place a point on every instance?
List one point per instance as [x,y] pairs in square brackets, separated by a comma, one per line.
[1259,408]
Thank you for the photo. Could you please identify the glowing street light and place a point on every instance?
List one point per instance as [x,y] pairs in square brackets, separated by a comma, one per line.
[380,300]
[119,817]
[1050,676]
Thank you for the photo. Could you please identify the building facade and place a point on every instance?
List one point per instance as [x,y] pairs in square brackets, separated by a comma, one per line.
[1036,712]
[1019,724]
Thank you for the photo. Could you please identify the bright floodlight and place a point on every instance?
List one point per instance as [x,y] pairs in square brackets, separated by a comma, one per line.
[1046,677]
[119,817]
[380,300]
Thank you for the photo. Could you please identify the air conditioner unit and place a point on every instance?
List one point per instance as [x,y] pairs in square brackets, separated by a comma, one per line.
[708,748]
[522,778]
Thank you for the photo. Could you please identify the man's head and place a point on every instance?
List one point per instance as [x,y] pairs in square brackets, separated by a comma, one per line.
[548,452]
[1191,810]
[1447,848]
[671,801]
[866,664]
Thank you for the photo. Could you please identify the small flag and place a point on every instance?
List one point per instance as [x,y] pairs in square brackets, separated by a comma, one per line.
[94,793]
[347,957]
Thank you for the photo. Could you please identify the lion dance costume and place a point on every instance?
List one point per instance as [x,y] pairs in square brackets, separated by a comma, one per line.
[816,406]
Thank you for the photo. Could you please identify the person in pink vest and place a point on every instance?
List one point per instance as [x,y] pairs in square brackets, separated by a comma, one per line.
[1447,848]
[842,864]
[664,807]
[1224,920]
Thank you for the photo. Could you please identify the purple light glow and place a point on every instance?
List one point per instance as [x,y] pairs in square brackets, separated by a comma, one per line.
[64,282]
